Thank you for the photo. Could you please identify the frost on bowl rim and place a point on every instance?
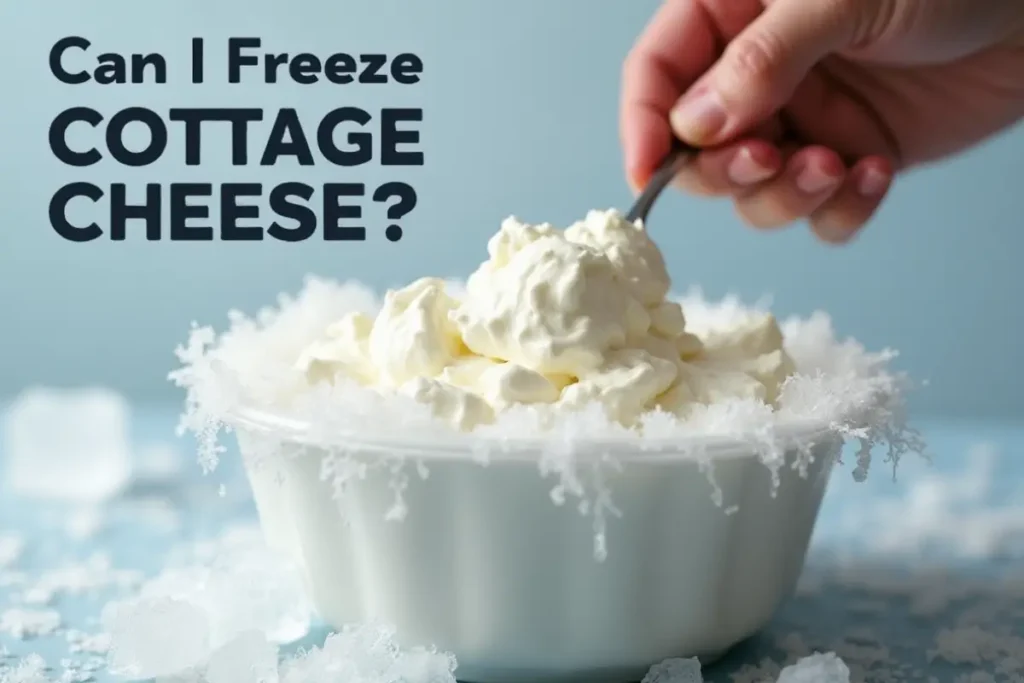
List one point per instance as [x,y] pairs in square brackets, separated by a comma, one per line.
[461,446]
[486,567]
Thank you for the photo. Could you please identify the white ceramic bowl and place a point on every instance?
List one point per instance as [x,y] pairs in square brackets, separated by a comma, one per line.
[486,566]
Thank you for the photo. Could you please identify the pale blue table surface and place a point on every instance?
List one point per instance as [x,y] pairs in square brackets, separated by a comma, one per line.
[856,610]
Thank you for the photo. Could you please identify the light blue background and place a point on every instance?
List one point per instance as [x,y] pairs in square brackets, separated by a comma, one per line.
[520,103]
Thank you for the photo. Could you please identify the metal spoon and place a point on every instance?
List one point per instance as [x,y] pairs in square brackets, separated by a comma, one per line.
[680,155]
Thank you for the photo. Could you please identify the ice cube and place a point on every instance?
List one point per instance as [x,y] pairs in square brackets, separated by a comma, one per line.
[251,587]
[70,444]
[248,658]
[817,668]
[154,638]
[242,586]
[677,670]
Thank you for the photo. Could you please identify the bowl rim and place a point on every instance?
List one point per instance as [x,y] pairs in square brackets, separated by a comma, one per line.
[787,434]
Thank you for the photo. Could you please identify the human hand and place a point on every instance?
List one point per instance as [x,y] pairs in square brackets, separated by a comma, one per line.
[809,107]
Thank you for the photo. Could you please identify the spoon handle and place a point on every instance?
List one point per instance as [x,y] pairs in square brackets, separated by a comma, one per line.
[680,155]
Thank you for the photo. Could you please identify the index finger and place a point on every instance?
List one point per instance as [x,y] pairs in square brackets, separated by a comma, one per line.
[676,47]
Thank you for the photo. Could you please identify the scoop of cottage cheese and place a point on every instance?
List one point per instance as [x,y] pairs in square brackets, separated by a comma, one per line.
[558,319]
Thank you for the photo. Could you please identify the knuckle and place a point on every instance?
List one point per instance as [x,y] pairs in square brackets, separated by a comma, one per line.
[844,16]
[834,220]
[831,234]
[772,208]
[757,215]
[878,20]
[630,63]
[746,218]
[695,184]
[636,64]
[641,61]
[753,57]
[843,8]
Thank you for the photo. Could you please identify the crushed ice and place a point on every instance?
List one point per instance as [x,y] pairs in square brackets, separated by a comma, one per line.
[215,614]
[677,670]
[242,655]
[245,378]
[979,640]
[816,668]
[234,584]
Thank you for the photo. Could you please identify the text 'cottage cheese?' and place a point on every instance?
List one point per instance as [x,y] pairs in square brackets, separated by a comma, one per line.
[556,319]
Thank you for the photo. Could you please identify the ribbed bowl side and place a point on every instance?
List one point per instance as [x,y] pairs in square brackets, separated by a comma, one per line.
[485,565]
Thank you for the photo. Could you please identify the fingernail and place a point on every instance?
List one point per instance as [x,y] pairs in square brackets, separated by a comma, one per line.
[744,169]
[872,183]
[813,180]
[698,116]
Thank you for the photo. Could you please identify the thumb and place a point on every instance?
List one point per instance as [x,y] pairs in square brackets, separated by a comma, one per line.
[761,68]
